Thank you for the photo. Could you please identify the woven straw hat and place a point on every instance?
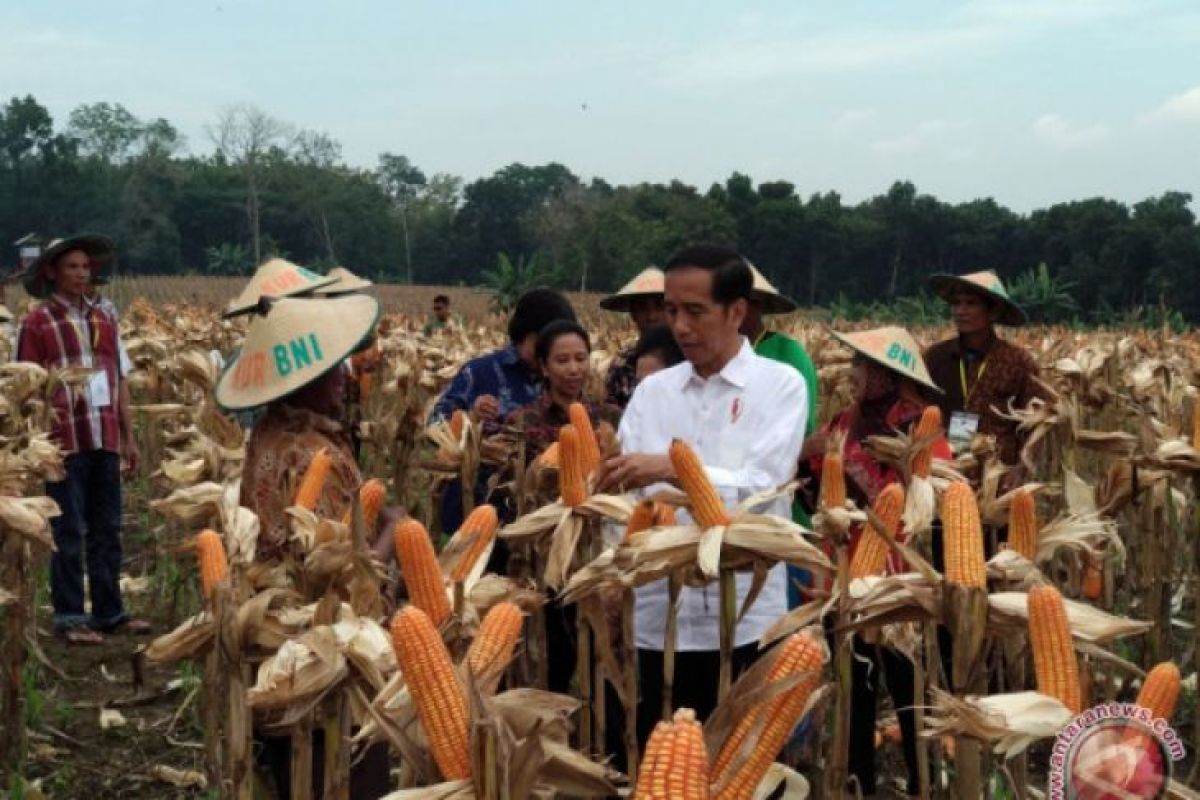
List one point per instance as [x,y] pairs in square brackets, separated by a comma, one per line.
[100,250]
[650,282]
[893,348]
[345,282]
[986,283]
[772,301]
[293,342]
[276,278]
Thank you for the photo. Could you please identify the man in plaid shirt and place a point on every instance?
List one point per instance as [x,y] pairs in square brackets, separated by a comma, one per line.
[71,328]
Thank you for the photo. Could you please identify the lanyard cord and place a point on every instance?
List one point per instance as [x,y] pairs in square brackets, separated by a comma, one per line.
[962,374]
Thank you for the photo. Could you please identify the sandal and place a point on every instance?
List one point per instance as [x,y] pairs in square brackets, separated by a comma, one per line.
[81,635]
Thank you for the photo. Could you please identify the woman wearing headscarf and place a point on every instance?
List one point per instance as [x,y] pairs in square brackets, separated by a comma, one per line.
[889,376]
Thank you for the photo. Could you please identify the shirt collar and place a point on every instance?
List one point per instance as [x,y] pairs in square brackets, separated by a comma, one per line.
[961,349]
[736,372]
[65,303]
[508,356]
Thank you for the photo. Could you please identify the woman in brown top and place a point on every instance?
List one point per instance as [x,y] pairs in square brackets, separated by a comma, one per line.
[980,373]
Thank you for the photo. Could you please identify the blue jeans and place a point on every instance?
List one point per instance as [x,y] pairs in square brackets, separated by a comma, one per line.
[90,524]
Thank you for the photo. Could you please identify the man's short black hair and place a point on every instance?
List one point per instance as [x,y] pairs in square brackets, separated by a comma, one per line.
[658,341]
[555,331]
[536,309]
[442,299]
[731,276]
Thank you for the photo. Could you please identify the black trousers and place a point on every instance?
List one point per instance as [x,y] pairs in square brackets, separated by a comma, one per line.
[869,663]
[696,676]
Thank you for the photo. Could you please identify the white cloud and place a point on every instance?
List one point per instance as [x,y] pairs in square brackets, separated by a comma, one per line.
[853,118]
[930,131]
[1062,133]
[1183,107]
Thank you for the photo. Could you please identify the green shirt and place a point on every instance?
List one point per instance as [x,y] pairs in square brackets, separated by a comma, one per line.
[783,348]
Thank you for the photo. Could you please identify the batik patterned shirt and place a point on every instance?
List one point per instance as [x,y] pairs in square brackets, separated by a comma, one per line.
[501,374]
[279,450]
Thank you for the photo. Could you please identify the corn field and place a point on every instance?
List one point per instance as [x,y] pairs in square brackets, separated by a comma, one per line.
[1093,600]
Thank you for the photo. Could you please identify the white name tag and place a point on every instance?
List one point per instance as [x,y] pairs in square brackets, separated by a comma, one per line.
[963,426]
[97,388]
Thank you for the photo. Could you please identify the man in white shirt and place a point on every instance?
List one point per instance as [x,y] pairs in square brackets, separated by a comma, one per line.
[744,415]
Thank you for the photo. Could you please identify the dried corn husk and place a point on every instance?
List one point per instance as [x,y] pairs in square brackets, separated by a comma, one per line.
[1011,721]
[1009,611]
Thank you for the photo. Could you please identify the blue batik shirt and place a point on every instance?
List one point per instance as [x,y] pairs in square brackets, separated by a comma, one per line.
[502,374]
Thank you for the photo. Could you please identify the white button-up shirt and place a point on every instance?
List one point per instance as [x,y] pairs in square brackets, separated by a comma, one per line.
[747,425]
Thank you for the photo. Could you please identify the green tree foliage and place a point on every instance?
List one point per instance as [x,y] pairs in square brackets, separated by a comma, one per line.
[268,188]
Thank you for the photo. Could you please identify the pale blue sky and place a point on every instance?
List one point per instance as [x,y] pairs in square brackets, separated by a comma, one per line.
[1030,102]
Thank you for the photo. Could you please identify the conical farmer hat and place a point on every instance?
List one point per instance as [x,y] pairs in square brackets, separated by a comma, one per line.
[650,282]
[99,249]
[293,342]
[345,282]
[276,278]
[772,301]
[987,283]
[893,348]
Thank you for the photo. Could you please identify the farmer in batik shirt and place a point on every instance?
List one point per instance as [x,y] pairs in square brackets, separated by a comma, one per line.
[980,374]
[293,362]
[642,298]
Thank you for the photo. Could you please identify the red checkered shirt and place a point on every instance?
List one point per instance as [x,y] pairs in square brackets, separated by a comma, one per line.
[58,334]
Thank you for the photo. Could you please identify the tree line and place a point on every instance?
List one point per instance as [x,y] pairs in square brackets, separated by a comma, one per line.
[265,187]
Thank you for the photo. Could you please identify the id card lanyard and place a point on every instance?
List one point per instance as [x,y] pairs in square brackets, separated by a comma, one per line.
[962,374]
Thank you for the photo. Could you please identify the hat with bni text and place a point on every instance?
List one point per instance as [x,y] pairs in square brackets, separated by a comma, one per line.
[647,284]
[772,301]
[345,282]
[292,342]
[275,278]
[986,283]
[100,251]
[891,347]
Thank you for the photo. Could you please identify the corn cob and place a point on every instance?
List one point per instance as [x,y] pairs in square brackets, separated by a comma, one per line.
[457,422]
[778,715]
[833,482]
[313,483]
[438,696]
[1054,659]
[1023,525]
[214,565]
[664,515]
[1160,691]
[675,764]
[572,473]
[641,519]
[1093,577]
[929,425]
[587,436]
[495,642]
[707,509]
[870,557]
[419,567]
[962,537]
[549,456]
[370,499]
[477,530]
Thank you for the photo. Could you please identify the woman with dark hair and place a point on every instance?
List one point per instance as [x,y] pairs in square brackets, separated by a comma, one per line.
[889,376]
[563,353]
[655,350]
